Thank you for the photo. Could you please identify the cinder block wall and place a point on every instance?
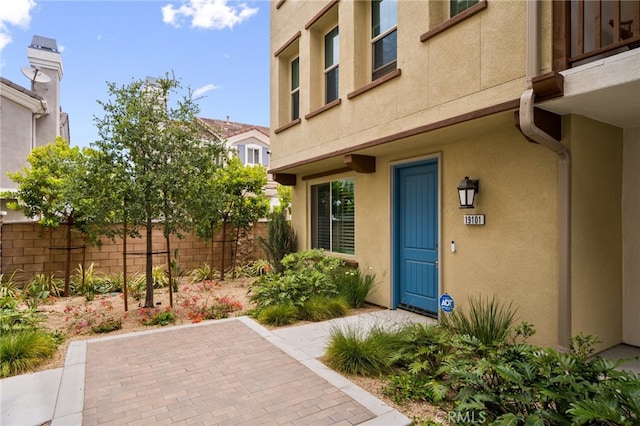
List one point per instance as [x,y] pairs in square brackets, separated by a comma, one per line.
[28,248]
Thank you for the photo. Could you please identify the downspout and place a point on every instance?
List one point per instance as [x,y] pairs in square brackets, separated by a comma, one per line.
[529,129]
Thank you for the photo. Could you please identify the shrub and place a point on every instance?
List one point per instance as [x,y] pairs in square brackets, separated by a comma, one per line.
[280,241]
[220,308]
[39,289]
[160,318]
[107,326]
[486,320]
[322,308]
[13,319]
[95,282]
[352,351]
[278,315]
[526,384]
[354,285]
[306,273]
[24,350]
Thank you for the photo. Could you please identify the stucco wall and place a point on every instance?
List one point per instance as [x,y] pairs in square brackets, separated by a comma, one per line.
[16,129]
[513,256]
[477,63]
[631,237]
[596,228]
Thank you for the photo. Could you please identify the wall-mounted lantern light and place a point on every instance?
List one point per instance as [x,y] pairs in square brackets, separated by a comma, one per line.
[467,191]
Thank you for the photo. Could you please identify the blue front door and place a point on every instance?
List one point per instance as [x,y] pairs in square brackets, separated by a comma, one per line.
[416,236]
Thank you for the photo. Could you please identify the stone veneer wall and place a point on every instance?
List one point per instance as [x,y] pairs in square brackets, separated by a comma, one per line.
[24,247]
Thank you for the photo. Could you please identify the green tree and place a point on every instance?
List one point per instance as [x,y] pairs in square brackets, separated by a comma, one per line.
[234,196]
[153,151]
[54,189]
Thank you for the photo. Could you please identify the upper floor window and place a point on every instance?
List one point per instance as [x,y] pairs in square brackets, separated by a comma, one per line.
[331,75]
[458,6]
[295,89]
[384,19]
[333,216]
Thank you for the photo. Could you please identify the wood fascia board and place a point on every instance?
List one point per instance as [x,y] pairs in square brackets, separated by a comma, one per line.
[360,163]
[287,179]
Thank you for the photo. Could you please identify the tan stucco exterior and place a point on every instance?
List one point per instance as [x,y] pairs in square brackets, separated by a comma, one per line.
[453,97]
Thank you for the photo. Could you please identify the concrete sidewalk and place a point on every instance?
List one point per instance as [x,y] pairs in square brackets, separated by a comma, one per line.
[231,371]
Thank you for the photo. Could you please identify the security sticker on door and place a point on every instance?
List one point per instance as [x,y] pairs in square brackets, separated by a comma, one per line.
[446,303]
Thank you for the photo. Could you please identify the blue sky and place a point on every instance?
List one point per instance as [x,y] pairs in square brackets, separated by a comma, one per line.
[218,48]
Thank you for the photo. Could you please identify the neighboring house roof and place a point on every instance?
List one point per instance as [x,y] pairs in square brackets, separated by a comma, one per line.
[228,129]
[23,96]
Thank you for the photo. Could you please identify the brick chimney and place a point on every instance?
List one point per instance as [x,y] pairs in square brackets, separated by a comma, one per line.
[44,56]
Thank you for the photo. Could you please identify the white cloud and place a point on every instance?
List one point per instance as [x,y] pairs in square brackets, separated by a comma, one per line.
[14,13]
[204,89]
[207,14]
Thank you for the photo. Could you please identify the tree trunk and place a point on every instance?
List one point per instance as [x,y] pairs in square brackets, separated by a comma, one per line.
[148,301]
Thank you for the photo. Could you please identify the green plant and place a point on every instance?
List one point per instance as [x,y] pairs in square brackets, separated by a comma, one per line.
[486,319]
[93,280]
[278,315]
[353,351]
[13,319]
[202,273]
[405,386]
[160,276]
[176,271]
[161,318]
[8,286]
[253,269]
[39,288]
[521,383]
[354,285]
[306,273]
[280,241]
[22,351]
[322,308]
[107,326]
[136,285]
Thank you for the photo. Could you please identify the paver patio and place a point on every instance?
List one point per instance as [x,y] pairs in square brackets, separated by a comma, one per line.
[219,374]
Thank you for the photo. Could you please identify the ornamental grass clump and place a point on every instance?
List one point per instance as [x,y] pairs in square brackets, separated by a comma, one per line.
[352,350]
[24,350]
[322,308]
[354,285]
[486,320]
[278,315]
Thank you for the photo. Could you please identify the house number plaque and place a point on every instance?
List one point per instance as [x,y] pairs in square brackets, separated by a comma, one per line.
[474,219]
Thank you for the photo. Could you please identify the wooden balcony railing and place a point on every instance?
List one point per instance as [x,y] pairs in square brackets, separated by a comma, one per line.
[589,30]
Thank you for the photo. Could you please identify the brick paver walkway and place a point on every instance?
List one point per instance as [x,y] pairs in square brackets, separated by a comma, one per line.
[218,374]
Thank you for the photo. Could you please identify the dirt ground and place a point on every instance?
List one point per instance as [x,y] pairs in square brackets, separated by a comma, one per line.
[74,317]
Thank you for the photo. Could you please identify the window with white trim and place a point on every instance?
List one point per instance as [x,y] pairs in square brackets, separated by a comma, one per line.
[253,156]
[295,89]
[331,68]
[384,39]
[333,216]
